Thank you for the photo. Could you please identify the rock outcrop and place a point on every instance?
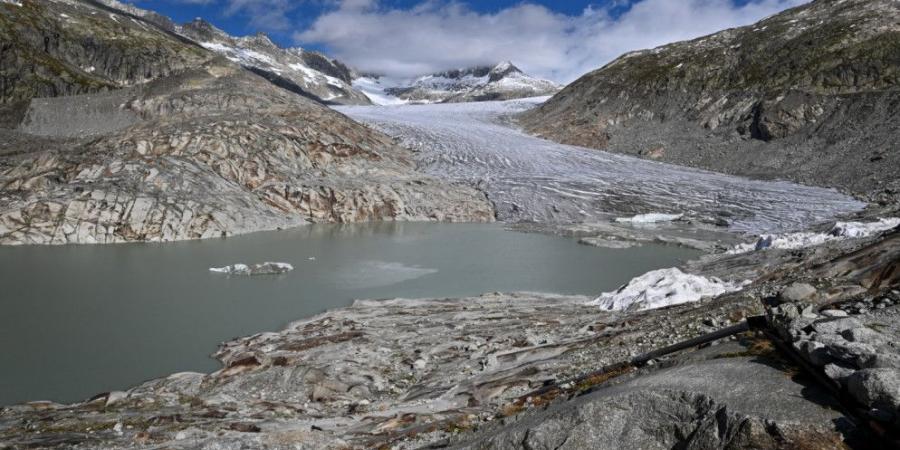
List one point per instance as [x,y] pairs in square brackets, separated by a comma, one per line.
[218,151]
[194,147]
[810,95]
[53,48]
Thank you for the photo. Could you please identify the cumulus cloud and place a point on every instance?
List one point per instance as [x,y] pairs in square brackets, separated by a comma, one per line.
[437,35]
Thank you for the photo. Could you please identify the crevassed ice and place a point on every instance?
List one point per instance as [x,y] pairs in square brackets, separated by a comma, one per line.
[531,179]
[840,231]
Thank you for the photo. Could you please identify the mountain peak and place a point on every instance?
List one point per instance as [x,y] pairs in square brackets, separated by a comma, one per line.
[502,70]
[260,38]
[203,29]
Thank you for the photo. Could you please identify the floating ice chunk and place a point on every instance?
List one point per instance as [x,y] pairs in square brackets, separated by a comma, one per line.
[840,231]
[663,287]
[650,218]
[266,268]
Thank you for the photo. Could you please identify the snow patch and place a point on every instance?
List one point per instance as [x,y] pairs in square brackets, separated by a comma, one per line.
[661,288]
[840,231]
[374,89]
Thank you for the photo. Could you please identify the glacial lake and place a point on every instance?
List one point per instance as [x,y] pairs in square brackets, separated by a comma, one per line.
[80,320]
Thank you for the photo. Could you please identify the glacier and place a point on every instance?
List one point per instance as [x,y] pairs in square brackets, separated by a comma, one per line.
[534,180]
[840,231]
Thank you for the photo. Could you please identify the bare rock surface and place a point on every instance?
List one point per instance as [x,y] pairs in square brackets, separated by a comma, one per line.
[197,166]
[710,404]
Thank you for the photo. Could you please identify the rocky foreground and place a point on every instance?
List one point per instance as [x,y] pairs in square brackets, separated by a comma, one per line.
[461,373]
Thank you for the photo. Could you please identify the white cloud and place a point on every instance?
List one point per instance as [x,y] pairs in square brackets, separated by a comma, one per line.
[437,35]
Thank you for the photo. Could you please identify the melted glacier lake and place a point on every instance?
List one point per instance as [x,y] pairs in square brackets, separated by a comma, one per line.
[81,320]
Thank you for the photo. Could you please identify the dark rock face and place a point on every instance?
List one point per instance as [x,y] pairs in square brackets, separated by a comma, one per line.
[310,74]
[811,94]
[330,67]
[50,49]
[477,71]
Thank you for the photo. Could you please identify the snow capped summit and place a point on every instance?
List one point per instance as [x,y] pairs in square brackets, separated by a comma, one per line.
[308,73]
[480,83]
[503,69]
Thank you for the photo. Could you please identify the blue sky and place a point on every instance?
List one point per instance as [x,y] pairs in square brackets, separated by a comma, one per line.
[302,13]
[558,40]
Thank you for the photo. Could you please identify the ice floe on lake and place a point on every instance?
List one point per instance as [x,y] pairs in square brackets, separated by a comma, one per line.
[840,231]
[663,287]
[266,268]
[650,218]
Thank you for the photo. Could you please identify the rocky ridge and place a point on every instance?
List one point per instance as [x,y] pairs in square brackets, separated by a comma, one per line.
[306,72]
[809,95]
[503,81]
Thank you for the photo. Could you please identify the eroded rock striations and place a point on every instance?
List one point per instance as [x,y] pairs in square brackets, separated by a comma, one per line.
[811,95]
[208,150]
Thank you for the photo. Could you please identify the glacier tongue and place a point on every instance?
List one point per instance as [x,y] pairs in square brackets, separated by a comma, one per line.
[534,180]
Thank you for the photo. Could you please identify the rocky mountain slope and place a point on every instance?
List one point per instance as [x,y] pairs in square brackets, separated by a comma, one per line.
[306,72]
[811,94]
[501,82]
[65,47]
[170,152]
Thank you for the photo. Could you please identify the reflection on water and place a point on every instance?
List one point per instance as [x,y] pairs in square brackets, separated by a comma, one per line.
[79,320]
[369,274]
